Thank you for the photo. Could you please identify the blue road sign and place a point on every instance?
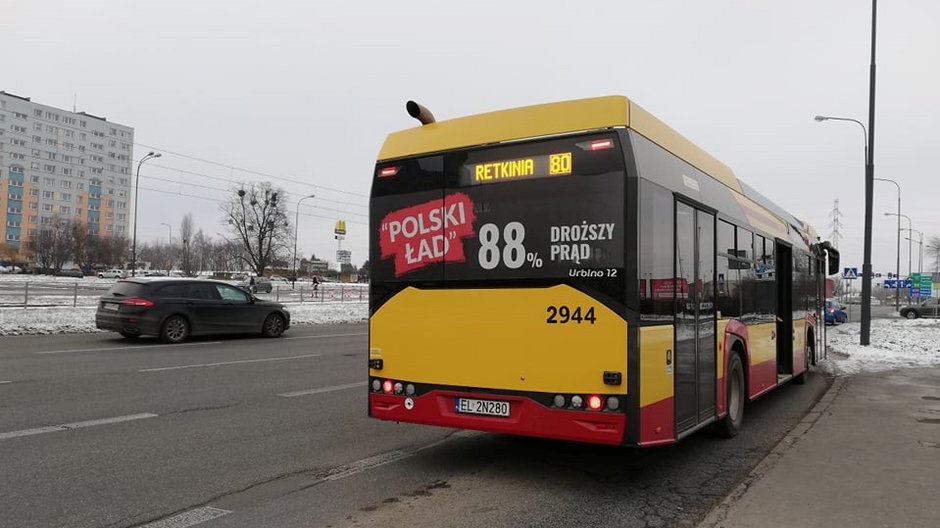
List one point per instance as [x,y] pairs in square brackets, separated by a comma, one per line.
[849,273]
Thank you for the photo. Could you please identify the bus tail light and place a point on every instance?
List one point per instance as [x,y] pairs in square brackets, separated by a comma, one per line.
[613,403]
[577,402]
[388,386]
[602,144]
[388,172]
[376,385]
[559,401]
[595,402]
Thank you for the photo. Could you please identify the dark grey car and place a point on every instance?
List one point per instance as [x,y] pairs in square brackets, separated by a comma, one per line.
[175,309]
[928,308]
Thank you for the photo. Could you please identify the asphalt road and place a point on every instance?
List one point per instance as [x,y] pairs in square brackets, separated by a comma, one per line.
[97,431]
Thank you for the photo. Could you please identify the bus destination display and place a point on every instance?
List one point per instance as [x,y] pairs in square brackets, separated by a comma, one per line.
[558,164]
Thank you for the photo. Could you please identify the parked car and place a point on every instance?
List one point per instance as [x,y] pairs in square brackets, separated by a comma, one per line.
[112,274]
[175,309]
[77,273]
[257,285]
[835,313]
[928,308]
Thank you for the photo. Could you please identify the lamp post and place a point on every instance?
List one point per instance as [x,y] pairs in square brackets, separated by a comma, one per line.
[150,155]
[168,226]
[920,248]
[909,226]
[865,336]
[897,291]
[296,231]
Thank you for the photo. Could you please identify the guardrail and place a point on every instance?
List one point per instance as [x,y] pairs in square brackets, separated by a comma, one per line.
[36,294]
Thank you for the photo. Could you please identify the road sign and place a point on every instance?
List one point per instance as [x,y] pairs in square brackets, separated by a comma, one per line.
[891,284]
[344,256]
[850,273]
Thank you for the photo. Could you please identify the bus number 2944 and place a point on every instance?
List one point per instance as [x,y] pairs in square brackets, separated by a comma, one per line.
[564,314]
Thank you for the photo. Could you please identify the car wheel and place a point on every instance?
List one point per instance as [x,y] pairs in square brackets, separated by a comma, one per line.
[174,330]
[731,423]
[911,314]
[129,335]
[273,326]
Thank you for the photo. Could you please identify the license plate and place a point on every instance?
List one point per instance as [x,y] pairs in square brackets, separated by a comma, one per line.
[111,306]
[484,407]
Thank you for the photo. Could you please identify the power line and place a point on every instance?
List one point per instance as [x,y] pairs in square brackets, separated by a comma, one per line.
[222,201]
[227,190]
[249,171]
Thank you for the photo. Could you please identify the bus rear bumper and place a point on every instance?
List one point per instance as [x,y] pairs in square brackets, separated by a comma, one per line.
[526,417]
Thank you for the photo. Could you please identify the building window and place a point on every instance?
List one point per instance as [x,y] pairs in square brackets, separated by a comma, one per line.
[17,115]
[33,219]
[65,209]
[13,238]
[48,194]
[65,197]
[34,192]
[47,207]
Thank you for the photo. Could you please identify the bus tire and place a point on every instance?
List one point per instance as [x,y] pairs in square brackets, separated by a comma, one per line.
[734,388]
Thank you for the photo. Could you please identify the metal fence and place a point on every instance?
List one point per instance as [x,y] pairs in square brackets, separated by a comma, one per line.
[35,294]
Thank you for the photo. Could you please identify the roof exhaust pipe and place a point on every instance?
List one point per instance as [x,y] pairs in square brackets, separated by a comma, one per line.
[420,113]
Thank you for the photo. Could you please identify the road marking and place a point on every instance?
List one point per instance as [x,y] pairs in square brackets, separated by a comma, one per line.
[189,518]
[126,348]
[75,425]
[201,365]
[327,335]
[324,389]
[4,382]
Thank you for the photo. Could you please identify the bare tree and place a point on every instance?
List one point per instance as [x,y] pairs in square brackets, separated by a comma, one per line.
[256,216]
[53,244]
[933,250]
[81,239]
[108,251]
[186,236]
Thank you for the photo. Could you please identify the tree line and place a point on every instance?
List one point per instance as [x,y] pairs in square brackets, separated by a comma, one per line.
[255,217]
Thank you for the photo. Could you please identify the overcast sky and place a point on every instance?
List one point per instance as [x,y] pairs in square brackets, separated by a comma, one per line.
[306,91]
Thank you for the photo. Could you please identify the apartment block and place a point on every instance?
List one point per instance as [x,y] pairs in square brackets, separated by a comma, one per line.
[58,164]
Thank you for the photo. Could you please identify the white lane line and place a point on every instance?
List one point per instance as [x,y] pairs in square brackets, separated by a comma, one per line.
[201,365]
[5,382]
[126,348]
[324,389]
[189,518]
[75,425]
[326,335]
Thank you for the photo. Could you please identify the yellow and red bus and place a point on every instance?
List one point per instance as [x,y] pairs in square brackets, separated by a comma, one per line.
[580,271]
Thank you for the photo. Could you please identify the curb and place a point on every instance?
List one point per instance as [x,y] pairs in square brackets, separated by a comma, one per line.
[719,513]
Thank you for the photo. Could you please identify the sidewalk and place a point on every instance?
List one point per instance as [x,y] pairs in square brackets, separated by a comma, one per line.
[868,455]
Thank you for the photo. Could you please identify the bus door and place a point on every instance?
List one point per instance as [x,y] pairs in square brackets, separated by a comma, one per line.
[783,273]
[695,322]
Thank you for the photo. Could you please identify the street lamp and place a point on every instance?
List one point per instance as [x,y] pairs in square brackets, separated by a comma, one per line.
[909,226]
[865,336]
[897,291]
[296,230]
[920,250]
[171,231]
[150,155]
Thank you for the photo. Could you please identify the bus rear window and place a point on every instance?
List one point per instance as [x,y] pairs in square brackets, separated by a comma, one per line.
[546,209]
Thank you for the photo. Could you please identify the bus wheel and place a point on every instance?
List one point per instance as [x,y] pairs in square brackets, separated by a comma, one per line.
[731,423]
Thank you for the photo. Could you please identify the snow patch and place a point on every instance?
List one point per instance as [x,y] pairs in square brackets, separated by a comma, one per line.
[69,320]
[895,343]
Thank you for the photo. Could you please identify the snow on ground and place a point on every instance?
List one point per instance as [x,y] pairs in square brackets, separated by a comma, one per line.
[895,343]
[68,320]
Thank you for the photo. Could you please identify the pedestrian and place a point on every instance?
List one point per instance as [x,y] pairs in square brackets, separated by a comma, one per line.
[252,285]
[316,283]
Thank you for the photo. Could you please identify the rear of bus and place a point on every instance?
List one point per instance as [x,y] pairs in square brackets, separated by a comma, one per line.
[498,288]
